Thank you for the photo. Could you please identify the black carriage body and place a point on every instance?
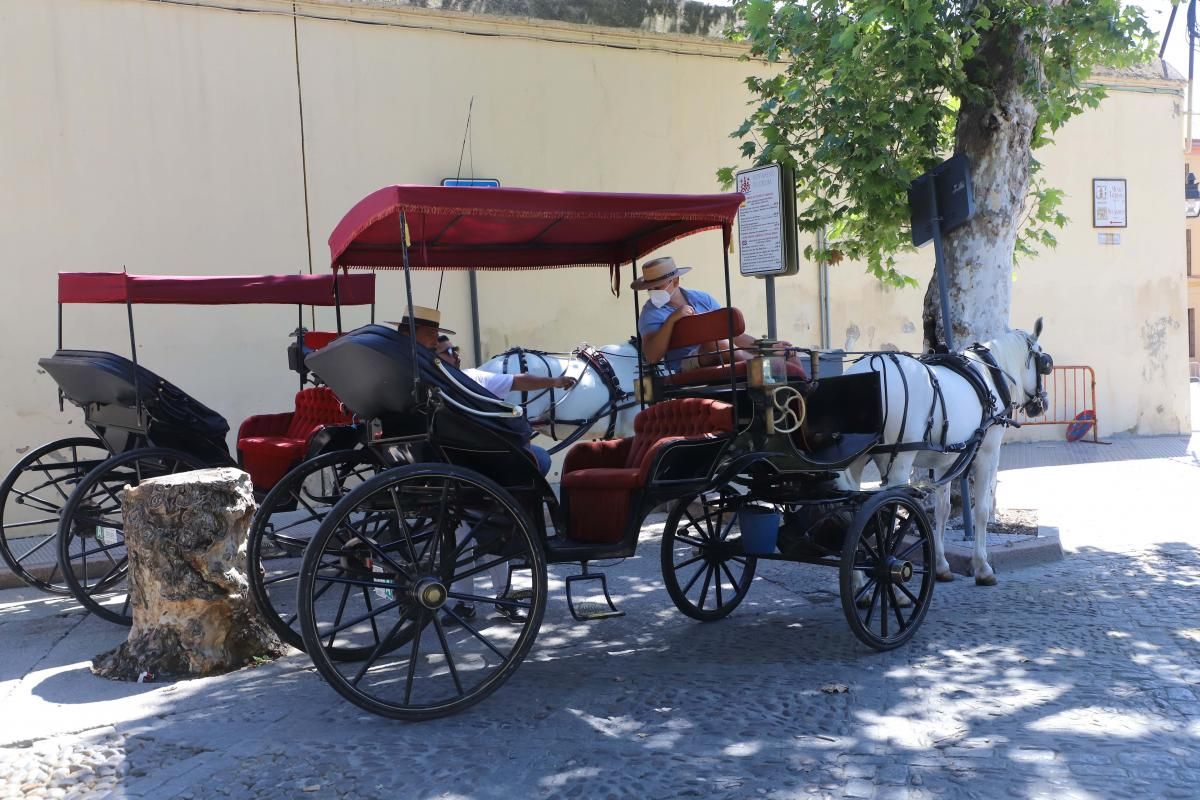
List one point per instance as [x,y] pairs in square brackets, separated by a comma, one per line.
[127,406]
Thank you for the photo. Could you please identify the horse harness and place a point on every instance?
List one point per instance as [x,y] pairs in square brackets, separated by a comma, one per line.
[593,359]
[960,365]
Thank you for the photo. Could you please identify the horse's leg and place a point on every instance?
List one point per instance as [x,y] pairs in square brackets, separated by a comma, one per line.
[987,463]
[941,512]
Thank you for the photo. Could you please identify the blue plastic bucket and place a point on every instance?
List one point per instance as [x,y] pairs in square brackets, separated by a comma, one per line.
[760,529]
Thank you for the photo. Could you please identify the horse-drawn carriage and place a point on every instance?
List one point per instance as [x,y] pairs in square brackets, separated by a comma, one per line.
[459,518]
[63,499]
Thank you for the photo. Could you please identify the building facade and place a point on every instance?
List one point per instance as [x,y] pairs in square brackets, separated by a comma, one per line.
[201,138]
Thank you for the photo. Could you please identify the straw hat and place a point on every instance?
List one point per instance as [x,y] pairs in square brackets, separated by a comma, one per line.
[657,271]
[423,316]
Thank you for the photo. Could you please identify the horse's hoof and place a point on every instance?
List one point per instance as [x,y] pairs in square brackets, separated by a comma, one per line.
[985,580]
[945,577]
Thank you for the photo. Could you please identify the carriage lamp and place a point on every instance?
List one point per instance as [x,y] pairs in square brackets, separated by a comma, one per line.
[768,367]
[1191,195]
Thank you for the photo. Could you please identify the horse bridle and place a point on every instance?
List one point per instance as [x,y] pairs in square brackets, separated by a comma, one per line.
[1035,404]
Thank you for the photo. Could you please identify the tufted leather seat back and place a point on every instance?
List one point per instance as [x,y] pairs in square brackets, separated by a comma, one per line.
[315,408]
[681,418]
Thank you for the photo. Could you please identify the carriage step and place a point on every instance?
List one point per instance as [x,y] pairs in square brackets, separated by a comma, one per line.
[588,610]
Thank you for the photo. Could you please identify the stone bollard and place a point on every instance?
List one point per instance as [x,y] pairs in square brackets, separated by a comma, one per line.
[193,613]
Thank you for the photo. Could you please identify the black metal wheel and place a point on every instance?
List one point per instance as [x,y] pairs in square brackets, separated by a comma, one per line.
[704,567]
[887,570]
[32,497]
[396,566]
[91,533]
[285,522]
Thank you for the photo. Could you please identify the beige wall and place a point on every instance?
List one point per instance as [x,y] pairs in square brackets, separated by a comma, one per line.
[167,138]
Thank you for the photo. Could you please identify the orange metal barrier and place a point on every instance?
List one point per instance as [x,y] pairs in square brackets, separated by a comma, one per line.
[1071,391]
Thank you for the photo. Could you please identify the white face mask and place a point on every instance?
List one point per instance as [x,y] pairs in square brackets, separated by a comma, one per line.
[660,297]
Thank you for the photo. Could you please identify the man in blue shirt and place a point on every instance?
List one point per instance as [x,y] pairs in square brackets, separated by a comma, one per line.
[668,303]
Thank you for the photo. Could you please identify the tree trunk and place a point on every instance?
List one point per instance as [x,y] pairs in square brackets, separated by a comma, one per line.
[996,137]
[193,614]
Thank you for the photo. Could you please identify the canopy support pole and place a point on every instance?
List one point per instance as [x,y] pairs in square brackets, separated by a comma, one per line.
[337,302]
[472,281]
[412,321]
[137,384]
[733,400]
[637,336]
[61,407]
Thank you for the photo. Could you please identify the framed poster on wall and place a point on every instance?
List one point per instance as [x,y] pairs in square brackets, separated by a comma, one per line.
[1109,207]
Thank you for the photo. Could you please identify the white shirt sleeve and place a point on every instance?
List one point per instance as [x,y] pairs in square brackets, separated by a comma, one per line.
[497,383]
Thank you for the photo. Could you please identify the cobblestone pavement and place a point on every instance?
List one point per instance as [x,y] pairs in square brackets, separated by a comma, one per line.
[1073,679]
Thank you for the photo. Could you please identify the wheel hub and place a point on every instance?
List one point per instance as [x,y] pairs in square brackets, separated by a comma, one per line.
[899,571]
[430,593]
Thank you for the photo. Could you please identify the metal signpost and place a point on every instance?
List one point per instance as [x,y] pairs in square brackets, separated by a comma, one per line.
[767,229]
[487,183]
[938,202]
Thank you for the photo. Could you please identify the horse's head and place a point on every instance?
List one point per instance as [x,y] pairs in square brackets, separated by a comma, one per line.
[1027,365]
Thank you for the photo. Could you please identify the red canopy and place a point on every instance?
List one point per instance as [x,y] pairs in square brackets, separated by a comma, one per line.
[219,290]
[477,228]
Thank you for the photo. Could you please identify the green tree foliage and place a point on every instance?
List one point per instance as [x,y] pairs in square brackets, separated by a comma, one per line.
[868,95]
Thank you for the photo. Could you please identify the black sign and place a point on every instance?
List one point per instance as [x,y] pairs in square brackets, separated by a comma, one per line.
[955,198]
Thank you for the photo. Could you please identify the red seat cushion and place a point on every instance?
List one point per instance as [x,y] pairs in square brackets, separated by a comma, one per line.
[599,478]
[269,458]
[603,478]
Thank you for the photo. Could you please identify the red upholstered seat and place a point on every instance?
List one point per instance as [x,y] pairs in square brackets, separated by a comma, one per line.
[269,445]
[315,340]
[599,478]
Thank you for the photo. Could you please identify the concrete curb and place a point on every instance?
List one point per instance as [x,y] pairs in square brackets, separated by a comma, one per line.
[1025,551]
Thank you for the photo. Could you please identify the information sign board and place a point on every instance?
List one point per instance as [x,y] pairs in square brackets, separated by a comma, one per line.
[1108,203]
[767,222]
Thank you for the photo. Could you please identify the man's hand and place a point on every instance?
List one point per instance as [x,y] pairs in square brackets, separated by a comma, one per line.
[681,312]
[563,382]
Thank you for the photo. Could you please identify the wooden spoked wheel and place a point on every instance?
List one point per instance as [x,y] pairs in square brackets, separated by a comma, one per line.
[32,498]
[705,570]
[91,533]
[286,522]
[887,570]
[415,565]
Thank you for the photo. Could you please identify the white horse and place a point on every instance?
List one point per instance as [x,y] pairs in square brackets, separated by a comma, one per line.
[908,384]
[600,405]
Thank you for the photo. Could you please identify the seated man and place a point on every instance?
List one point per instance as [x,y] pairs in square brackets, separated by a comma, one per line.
[668,303]
[500,384]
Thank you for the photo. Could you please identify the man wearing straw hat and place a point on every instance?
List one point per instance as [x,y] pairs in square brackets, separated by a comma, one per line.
[668,303]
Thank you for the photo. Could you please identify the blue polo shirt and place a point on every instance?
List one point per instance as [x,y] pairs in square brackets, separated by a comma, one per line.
[651,319]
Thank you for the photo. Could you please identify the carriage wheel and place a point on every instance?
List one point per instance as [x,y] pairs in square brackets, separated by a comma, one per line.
[886,572]
[32,497]
[703,565]
[285,523]
[388,569]
[91,533]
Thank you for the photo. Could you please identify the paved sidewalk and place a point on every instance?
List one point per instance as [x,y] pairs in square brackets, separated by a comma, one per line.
[1076,679]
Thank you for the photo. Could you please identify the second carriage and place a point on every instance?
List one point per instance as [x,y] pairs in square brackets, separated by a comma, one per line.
[460,519]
